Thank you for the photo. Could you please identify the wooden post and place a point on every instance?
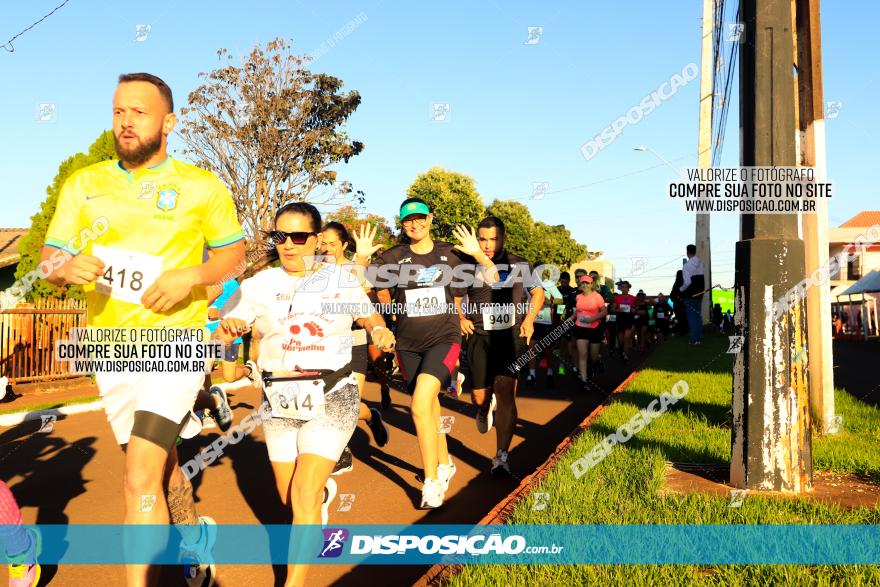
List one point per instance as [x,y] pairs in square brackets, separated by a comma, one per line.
[815,226]
[704,149]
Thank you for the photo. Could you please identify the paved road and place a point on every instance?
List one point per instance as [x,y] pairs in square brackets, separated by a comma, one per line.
[73,475]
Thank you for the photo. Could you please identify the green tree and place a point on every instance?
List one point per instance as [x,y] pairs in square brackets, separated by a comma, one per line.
[535,240]
[272,131]
[348,216]
[452,196]
[553,245]
[101,150]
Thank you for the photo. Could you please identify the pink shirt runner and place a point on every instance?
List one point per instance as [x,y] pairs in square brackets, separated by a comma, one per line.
[588,306]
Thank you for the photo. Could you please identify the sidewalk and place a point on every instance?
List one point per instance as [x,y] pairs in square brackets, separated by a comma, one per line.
[58,392]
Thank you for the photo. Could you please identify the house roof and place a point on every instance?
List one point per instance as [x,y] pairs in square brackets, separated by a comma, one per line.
[863,219]
[10,238]
[868,284]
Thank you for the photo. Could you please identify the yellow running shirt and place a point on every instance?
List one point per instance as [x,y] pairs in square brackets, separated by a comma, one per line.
[149,221]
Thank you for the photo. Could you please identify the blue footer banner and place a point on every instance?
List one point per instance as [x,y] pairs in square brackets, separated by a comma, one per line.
[456,544]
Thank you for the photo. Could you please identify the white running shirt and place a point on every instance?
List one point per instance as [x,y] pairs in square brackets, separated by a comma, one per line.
[305,322]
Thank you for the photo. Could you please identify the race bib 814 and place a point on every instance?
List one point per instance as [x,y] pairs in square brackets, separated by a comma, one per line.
[298,400]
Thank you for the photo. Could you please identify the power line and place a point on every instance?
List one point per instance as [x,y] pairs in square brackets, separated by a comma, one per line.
[8,43]
[723,101]
[599,181]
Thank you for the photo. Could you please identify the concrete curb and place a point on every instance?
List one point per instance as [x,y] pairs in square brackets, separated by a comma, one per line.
[17,418]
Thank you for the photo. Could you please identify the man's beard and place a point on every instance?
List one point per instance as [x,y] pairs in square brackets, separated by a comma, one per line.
[140,153]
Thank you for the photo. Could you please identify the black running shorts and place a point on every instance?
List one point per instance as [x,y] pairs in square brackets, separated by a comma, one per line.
[438,360]
[491,355]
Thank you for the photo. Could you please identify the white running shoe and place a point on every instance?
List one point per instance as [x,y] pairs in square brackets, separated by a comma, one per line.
[329,494]
[432,494]
[255,376]
[198,563]
[445,473]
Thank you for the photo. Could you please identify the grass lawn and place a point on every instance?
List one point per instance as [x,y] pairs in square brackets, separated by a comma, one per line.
[623,489]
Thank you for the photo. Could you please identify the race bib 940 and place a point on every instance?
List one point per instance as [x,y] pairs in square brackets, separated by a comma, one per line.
[127,275]
[497,317]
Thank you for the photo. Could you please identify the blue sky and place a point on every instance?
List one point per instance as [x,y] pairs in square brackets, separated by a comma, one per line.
[519,112]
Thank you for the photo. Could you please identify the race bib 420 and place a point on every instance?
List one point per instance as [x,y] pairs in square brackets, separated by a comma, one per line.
[425,301]
[127,275]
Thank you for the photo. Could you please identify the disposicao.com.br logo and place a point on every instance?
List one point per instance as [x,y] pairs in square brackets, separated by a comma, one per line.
[403,544]
[334,542]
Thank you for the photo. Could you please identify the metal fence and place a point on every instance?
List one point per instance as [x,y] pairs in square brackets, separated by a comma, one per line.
[27,338]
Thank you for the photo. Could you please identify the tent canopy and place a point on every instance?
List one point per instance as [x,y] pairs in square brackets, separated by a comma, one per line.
[870,283]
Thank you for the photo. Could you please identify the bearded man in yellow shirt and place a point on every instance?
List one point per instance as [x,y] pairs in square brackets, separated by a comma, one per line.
[146,271]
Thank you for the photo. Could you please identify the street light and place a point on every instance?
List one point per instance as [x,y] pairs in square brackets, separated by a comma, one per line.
[643,148]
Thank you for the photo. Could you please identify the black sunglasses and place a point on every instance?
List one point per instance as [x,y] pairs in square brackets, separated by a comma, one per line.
[279,237]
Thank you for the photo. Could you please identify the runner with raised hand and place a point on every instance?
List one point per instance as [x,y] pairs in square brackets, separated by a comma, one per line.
[305,361]
[428,333]
[498,330]
[335,243]
[364,250]
[146,271]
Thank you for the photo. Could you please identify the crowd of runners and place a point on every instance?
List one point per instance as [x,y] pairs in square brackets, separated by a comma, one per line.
[317,321]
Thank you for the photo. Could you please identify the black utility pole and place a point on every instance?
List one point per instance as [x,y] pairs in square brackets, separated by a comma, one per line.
[770,437]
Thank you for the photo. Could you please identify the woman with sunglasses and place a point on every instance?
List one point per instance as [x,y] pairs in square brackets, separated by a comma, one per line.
[305,360]
[336,241]
[428,328]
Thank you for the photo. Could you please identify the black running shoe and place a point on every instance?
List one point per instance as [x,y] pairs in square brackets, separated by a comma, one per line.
[344,464]
[386,397]
[377,427]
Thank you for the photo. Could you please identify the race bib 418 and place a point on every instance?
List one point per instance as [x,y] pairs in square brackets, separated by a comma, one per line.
[127,275]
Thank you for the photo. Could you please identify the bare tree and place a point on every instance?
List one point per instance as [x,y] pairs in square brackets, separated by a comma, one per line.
[271,129]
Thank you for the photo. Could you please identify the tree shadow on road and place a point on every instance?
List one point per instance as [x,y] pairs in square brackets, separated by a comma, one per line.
[50,470]
[255,480]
